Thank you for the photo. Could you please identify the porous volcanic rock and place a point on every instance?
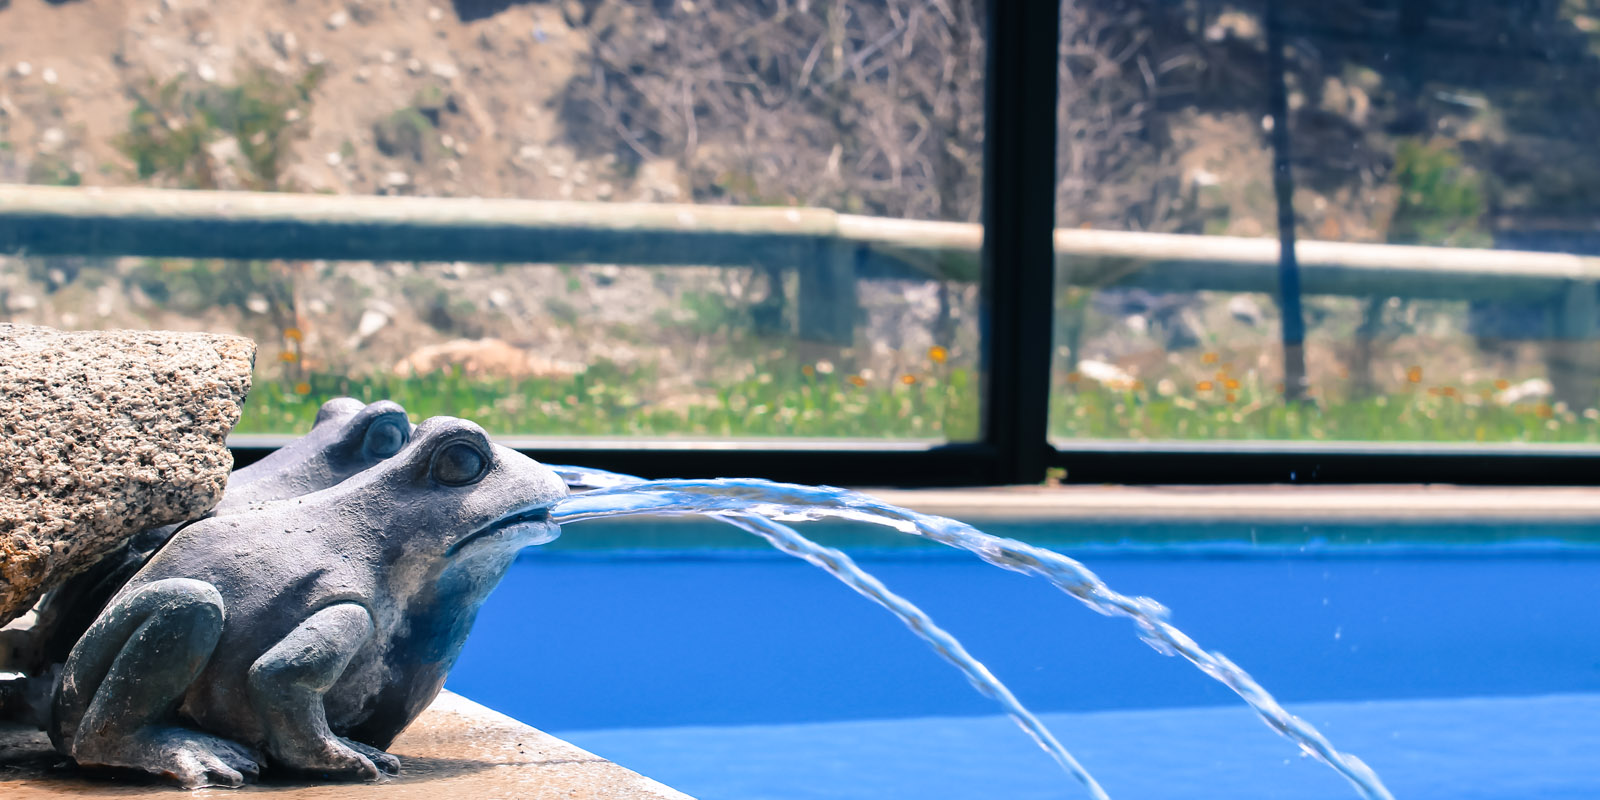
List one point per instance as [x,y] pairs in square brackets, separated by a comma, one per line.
[104,434]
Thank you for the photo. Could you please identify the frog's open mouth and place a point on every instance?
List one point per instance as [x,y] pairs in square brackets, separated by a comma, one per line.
[527,527]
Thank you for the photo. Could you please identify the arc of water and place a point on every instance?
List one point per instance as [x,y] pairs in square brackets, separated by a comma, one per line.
[841,566]
[790,502]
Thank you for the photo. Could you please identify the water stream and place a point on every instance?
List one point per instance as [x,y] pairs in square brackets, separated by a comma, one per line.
[757,505]
[842,567]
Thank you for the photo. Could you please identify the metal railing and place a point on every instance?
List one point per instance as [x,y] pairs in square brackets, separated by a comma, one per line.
[47,220]
[43,220]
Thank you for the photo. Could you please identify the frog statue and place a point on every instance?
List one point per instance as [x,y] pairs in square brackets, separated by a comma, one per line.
[347,437]
[304,634]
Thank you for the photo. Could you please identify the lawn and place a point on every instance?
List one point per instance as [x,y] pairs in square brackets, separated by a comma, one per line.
[801,401]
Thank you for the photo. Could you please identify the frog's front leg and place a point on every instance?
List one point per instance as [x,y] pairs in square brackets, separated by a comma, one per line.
[116,704]
[287,685]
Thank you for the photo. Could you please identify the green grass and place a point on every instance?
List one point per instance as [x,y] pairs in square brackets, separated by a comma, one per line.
[603,402]
[1419,416]
[791,400]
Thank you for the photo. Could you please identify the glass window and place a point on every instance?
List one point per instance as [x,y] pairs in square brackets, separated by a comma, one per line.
[867,114]
[1442,186]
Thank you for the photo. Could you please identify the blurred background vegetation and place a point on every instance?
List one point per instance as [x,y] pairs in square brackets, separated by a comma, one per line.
[1462,124]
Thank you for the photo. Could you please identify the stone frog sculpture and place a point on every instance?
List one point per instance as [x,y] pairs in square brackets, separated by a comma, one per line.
[347,437]
[304,634]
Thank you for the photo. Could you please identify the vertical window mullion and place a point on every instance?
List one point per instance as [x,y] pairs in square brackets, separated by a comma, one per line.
[1019,183]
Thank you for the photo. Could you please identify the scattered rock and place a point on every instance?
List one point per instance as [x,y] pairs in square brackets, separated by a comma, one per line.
[1110,376]
[404,134]
[605,274]
[105,434]
[23,69]
[338,19]
[1245,309]
[658,180]
[225,155]
[51,140]
[484,358]
[372,321]
[284,43]
[445,70]
[1530,389]
[364,13]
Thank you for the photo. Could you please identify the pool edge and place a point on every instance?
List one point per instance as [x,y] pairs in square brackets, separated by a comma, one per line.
[457,748]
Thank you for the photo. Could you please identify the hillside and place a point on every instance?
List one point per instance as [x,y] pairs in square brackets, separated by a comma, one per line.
[867,107]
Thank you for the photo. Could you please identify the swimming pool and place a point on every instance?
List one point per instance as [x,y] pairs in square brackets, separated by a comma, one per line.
[1459,661]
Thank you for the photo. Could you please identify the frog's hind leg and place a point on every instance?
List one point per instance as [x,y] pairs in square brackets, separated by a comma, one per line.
[287,685]
[120,688]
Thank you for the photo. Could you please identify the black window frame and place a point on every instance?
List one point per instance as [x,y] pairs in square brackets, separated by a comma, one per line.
[1018,268]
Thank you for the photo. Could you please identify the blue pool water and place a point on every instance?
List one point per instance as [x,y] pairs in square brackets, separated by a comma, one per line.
[1455,671]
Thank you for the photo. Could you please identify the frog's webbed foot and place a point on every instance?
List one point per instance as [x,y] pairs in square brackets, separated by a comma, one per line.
[387,764]
[114,706]
[287,684]
[187,757]
[337,757]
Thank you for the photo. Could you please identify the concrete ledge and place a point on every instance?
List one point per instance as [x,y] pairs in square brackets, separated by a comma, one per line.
[456,749]
[1309,504]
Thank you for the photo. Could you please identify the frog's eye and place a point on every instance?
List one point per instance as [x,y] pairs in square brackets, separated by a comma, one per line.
[459,463]
[385,438]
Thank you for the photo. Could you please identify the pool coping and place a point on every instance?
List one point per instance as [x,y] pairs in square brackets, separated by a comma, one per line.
[457,748]
[1285,503]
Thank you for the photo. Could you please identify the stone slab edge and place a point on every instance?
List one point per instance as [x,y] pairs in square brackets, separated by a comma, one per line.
[456,749]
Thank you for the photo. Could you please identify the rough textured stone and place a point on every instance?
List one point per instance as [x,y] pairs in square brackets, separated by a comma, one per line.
[104,434]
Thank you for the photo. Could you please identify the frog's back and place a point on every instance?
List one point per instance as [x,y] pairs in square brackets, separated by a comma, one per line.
[272,574]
